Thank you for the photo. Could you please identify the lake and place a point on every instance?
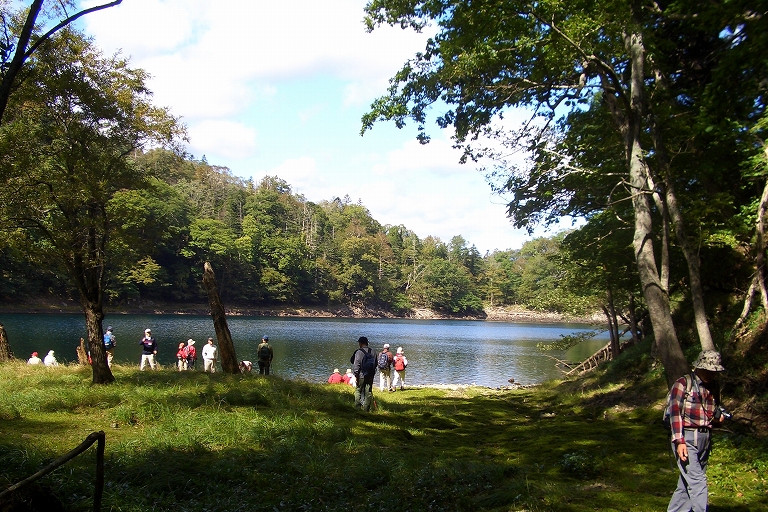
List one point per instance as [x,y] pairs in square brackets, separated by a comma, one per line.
[438,351]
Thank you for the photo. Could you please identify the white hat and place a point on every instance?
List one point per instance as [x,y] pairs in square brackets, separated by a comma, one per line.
[147,330]
[399,350]
[386,345]
[190,341]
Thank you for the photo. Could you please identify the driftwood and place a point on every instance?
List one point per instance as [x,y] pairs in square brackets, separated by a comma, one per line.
[226,350]
[6,354]
[94,437]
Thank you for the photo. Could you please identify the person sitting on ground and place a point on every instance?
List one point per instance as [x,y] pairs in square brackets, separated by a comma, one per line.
[50,359]
[34,359]
[246,366]
[349,378]
[335,377]
[181,356]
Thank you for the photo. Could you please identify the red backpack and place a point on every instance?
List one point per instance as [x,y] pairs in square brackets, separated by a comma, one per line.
[399,362]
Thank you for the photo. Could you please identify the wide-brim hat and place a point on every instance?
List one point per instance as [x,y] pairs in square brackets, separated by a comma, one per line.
[709,360]
[190,341]
[335,370]
[386,345]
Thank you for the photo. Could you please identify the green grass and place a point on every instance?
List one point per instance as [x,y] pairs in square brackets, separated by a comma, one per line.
[198,442]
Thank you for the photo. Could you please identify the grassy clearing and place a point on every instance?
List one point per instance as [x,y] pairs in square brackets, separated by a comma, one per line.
[197,442]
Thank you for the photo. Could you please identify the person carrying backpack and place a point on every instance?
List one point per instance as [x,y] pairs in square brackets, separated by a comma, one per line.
[384,362]
[364,368]
[109,345]
[693,409]
[265,355]
[400,363]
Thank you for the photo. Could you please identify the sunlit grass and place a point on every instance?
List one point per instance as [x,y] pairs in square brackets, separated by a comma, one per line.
[198,442]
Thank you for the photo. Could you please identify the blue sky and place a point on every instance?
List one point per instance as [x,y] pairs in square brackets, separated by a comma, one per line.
[278,88]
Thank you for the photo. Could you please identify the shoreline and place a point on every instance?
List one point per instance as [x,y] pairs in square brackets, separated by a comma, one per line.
[494,314]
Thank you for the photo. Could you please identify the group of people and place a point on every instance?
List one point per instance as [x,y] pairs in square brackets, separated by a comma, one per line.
[365,362]
[49,360]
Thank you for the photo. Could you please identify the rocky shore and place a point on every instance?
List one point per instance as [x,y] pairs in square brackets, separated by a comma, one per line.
[499,314]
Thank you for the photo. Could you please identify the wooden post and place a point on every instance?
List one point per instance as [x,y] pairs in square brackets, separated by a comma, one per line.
[226,350]
[6,354]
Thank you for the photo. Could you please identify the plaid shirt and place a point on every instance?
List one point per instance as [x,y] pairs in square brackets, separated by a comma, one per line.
[699,407]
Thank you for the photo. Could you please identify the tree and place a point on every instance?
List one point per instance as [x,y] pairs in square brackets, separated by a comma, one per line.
[552,57]
[19,42]
[66,142]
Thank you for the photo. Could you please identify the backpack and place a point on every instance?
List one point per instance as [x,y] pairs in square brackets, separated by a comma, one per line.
[667,417]
[264,352]
[368,364]
[399,362]
[384,361]
[108,340]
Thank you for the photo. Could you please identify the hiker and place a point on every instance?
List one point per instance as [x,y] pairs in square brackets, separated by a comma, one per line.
[335,377]
[191,354]
[349,378]
[399,363]
[181,357]
[148,350]
[34,359]
[50,359]
[246,366]
[384,360]
[265,355]
[209,357]
[364,367]
[693,408]
[109,345]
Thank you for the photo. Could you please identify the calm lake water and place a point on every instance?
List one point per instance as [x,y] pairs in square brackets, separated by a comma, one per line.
[438,351]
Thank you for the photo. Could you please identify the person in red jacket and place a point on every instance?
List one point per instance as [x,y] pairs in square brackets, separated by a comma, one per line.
[335,377]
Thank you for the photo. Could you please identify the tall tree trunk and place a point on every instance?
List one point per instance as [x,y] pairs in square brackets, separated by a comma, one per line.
[6,354]
[94,314]
[656,297]
[758,281]
[226,348]
[613,323]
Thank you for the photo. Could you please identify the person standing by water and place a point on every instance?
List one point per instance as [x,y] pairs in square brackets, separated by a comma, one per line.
[385,360]
[265,355]
[148,351]
[364,367]
[181,357]
[209,357]
[109,345]
[191,354]
[693,408]
[400,363]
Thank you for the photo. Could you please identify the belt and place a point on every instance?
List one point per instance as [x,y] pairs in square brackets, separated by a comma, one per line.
[702,430]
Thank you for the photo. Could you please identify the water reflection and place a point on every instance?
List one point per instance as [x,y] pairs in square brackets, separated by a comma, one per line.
[438,351]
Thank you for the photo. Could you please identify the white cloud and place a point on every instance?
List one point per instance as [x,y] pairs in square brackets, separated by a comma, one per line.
[231,139]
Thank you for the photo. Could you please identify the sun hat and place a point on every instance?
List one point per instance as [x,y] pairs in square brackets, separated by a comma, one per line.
[34,354]
[147,330]
[349,370]
[399,350]
[190,341]
[265,337]
[709,360]
[335,370]
[109,328]
[386,345]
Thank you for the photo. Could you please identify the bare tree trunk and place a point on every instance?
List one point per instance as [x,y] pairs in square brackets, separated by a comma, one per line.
[82,354]
[758,281]
[94,314]
[226,348]
[613,323]
[656,297]
[6,354]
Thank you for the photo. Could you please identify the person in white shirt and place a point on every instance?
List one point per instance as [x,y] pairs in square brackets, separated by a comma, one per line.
[209,357]
[50,359]
[34,359]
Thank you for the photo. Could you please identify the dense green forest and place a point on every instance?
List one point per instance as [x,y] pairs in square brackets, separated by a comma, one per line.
[270,246]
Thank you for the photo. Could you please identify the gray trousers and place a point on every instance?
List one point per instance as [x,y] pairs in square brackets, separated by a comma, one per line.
[692,491]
